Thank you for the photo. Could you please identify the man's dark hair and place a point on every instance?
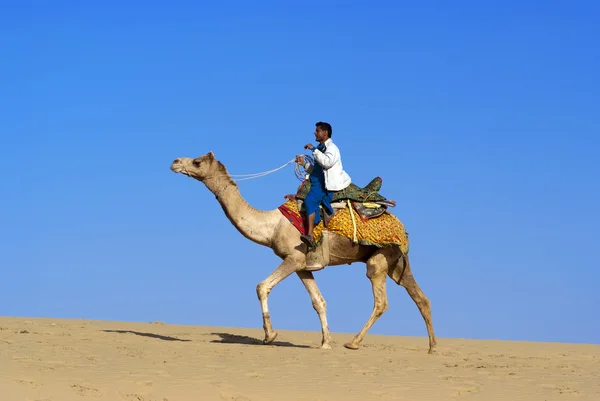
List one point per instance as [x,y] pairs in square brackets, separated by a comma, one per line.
[324,127]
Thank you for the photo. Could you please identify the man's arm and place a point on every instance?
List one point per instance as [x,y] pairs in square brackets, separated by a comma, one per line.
[328,158]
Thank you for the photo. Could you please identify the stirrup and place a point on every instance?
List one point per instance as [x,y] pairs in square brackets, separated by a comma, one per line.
[309,242]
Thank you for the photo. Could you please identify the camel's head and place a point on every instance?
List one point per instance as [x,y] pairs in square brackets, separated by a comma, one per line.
[198,168]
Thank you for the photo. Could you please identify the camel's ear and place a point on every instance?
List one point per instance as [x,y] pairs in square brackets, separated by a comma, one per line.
[211,155]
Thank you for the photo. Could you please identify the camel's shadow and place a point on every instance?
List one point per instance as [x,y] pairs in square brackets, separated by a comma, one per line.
[151,335]
[228,338]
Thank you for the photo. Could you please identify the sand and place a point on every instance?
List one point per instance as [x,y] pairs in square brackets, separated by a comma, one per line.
[63,359]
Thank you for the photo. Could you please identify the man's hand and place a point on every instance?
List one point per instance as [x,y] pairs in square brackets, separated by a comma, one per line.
[300,159]
[308,146]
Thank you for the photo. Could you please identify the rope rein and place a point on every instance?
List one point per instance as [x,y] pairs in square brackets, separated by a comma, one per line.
[258,175]
[297,171]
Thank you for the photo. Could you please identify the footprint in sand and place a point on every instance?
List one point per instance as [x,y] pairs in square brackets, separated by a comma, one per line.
[230,397]
[254,375]
[163,373]
[139,397]
[27,382]
[562,389]
[132,352]
[84,390]
[462,385]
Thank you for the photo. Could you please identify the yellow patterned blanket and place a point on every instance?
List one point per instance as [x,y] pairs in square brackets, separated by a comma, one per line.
[380,231]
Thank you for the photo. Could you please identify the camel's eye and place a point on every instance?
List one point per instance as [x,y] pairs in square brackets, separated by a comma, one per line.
[196,163]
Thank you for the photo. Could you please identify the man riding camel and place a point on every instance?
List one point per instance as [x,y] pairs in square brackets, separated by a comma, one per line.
[326,177]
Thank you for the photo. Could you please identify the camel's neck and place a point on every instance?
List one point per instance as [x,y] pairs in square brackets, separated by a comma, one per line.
[256,225]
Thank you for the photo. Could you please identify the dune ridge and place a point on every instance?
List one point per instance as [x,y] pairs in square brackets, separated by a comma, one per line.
[45,359]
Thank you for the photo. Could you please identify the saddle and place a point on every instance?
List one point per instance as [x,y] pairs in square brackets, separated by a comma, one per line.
[366,201]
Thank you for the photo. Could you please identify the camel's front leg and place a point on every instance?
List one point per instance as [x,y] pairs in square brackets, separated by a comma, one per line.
[289,266]
[318,303]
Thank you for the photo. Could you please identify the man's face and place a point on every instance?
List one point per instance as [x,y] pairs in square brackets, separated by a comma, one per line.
[320,135]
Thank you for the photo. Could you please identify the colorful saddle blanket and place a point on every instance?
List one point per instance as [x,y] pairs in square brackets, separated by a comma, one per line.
[369,193]
[382,231]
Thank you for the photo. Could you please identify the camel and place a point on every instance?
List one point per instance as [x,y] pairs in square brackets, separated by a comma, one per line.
[273,230]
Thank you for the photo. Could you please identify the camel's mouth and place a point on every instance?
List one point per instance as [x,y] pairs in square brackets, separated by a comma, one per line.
[178,167]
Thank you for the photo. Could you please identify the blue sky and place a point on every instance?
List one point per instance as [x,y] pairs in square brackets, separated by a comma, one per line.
[482,120]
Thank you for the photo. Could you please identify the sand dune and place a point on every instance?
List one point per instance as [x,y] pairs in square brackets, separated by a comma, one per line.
[61,360]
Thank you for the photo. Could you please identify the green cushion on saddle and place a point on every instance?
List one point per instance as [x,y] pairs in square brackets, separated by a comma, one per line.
[369,193]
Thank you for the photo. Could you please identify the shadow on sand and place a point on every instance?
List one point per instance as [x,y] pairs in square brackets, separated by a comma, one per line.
[151,335]
[228,338]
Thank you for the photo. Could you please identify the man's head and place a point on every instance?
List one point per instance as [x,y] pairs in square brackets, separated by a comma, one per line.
[322,131]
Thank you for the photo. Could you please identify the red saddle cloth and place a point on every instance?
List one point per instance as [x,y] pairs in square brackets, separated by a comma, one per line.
[295,218]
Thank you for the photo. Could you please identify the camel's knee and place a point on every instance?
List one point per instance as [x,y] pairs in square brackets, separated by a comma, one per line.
[319,305]
[261,291]
[379,312]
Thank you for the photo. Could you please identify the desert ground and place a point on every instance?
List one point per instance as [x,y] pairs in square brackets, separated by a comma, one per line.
[77,359]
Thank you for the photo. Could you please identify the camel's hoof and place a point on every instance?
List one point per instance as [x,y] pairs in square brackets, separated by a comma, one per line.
[325,346]
[270,339]
[432,347]
[351,346]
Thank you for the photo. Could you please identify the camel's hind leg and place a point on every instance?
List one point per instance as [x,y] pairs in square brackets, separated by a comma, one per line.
[289,266]
[402,274]
[318,303]
[377,269]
